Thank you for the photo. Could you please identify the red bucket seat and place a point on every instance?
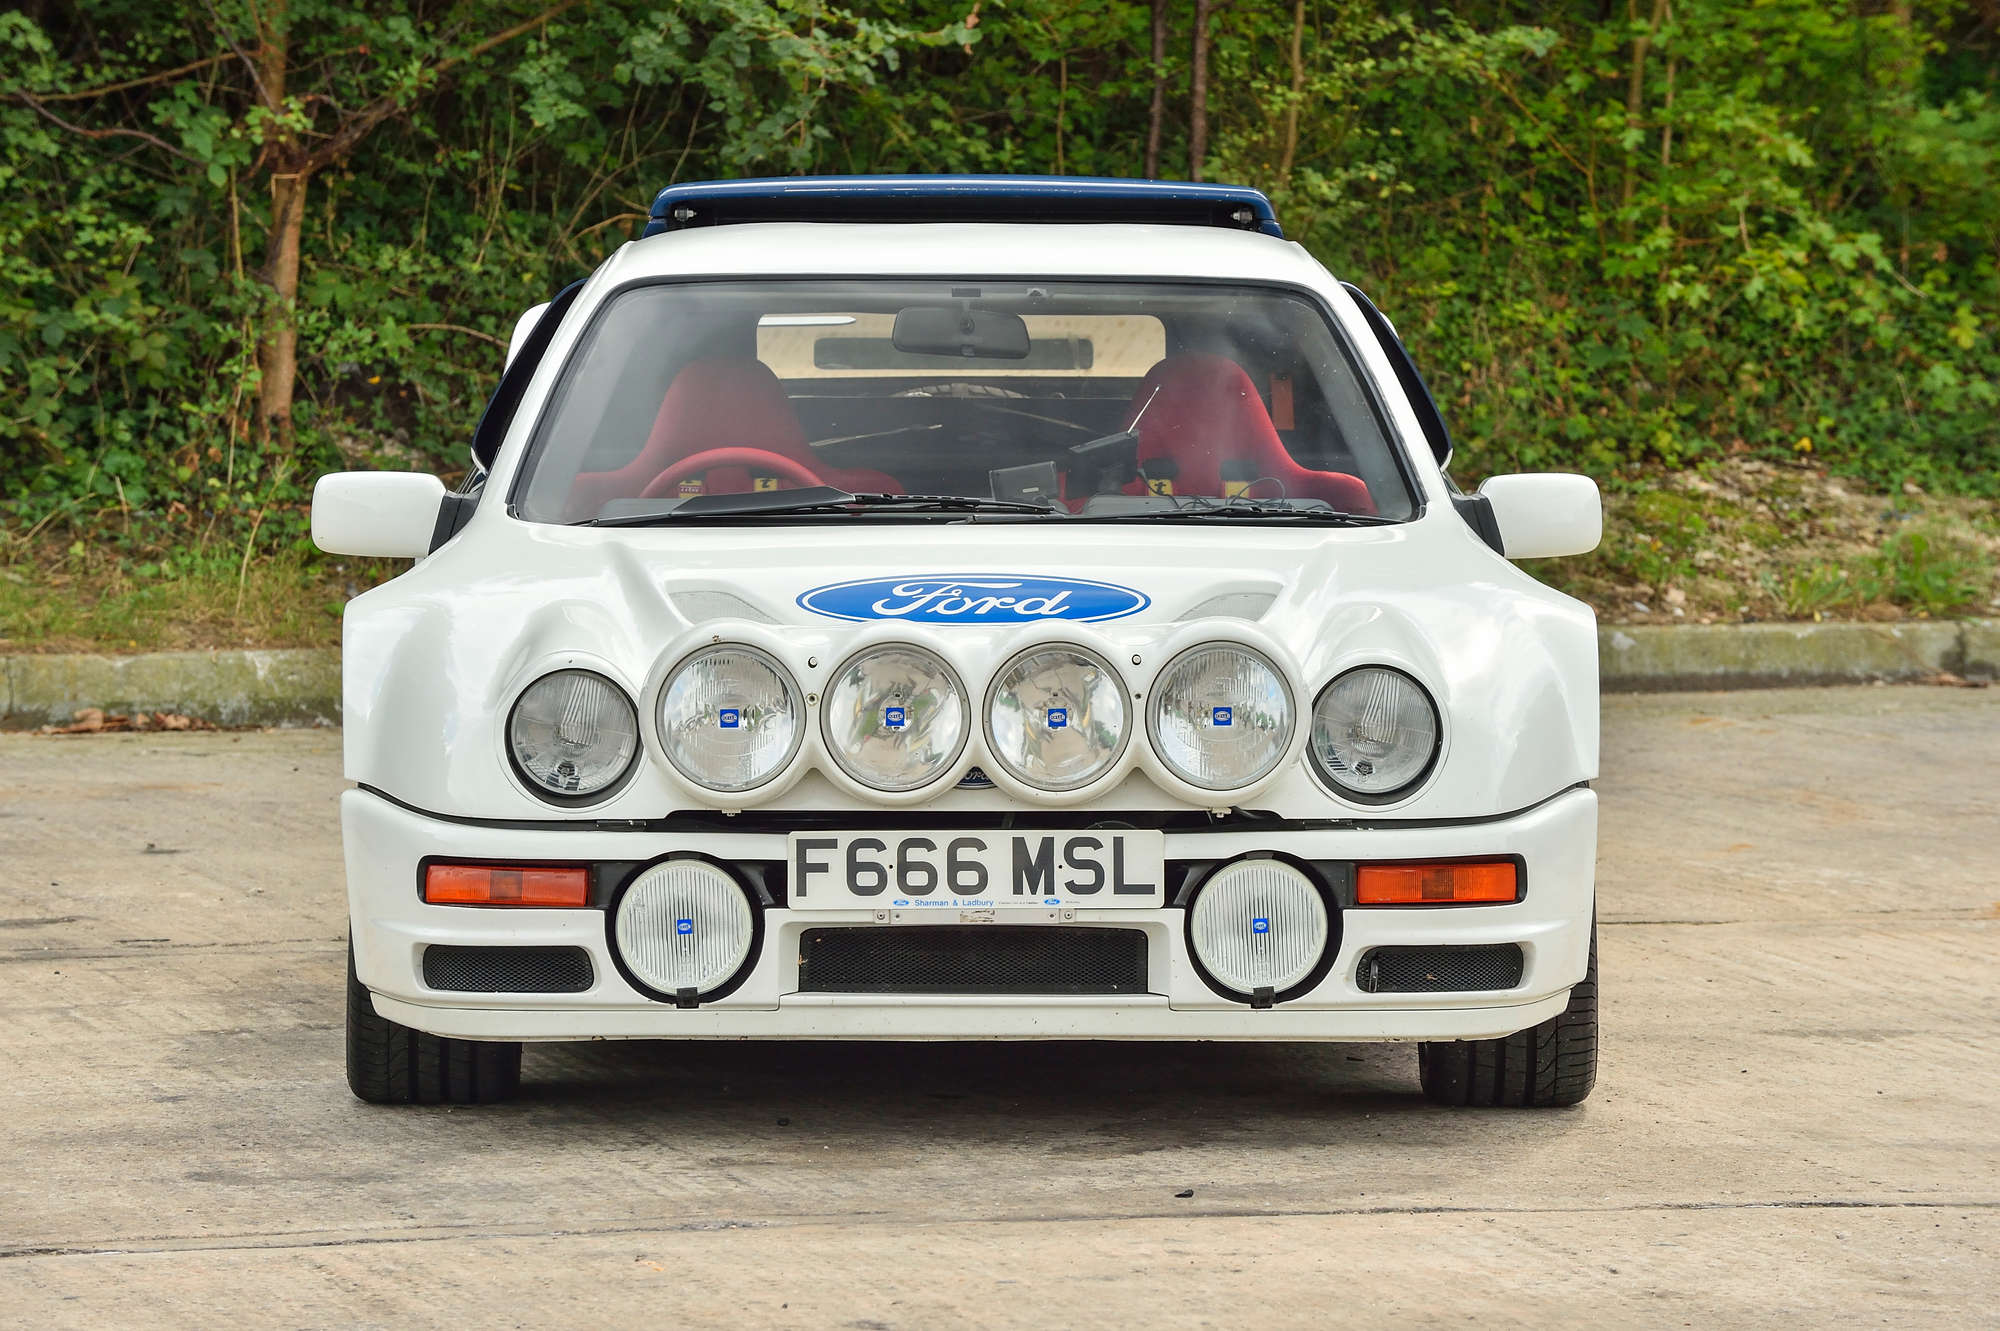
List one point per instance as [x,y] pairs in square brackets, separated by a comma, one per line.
[1201,413]
[720,403]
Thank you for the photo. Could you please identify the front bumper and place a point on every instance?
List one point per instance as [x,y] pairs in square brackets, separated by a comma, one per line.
[392,926]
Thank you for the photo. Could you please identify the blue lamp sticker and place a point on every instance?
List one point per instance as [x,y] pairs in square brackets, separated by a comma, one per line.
[894,718]
[1223,716]
[729,718]
[683,926]
[1058,717]
[1260,926]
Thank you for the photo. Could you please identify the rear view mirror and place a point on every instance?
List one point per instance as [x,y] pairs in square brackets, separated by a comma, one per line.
[936,330]
[392,514]
[1543,514]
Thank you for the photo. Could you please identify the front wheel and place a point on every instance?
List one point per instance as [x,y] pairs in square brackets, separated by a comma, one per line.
[1554,1063]
[390,1064]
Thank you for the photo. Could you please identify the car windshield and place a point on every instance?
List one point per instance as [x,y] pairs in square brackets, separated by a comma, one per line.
[1068,400]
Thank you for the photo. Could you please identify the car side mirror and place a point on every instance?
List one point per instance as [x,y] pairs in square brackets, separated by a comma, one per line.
[392,514]
[1543,514]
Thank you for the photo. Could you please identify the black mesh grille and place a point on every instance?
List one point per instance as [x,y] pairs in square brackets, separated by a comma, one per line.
[973,959]
[507,970]
[1439,970]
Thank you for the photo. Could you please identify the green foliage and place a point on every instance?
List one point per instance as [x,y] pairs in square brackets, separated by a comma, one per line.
[1670,529]
[1928,573]
[1756,225]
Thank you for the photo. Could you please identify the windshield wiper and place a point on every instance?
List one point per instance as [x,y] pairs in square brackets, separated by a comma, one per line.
[956,503]
[1255,509]
[807,499]
[816,499]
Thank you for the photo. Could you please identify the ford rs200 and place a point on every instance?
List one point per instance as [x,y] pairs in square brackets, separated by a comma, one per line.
[964,608]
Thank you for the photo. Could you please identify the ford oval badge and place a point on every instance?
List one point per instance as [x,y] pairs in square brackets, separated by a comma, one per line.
[980,598]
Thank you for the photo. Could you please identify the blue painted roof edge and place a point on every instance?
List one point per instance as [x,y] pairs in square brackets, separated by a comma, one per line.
[1052,189]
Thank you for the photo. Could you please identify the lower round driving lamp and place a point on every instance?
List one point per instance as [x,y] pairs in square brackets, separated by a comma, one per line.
[1259,928]
[684,928]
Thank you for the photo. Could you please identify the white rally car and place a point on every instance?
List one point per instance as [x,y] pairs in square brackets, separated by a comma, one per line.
[945,608]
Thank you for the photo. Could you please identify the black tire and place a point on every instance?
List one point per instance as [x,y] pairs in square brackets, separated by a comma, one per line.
[390,1064]
[1554,1063]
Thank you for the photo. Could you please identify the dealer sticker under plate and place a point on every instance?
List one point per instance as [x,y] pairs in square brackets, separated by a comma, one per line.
[911,871]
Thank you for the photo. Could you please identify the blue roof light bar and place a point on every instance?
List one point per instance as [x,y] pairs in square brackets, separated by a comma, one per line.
[961,199]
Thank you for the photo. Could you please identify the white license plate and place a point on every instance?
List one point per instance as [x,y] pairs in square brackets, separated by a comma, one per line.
[909,871]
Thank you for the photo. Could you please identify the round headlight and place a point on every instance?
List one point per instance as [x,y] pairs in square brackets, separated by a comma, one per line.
[1221,717]
[572,734]
[1374,732]
[1258,924]
[684,924]
[729,718]
[894,718]
[1057,717]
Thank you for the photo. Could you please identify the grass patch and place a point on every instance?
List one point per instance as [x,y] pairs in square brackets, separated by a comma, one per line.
[1816,591]
[1935,573]
[76,599]
[1748,539]
[1930,573]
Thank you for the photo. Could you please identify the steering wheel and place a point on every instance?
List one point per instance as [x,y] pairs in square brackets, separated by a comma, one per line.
[796,472]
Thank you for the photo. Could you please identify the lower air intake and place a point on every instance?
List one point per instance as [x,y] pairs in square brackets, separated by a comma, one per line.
[1439,970]
[973,959]
[507,970]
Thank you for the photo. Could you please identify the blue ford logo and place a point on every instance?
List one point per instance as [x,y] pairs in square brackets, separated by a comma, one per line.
[974,599]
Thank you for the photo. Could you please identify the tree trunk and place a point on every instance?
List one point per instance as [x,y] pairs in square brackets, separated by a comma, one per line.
[1298,90]
[292,163]
[278,338]
[1198,90]
[278,351]
[1062,106]
[1156,118]
[1635,100]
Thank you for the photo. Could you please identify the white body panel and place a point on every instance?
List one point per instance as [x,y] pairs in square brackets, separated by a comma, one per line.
[441,652]
[435,658]
[1557,840]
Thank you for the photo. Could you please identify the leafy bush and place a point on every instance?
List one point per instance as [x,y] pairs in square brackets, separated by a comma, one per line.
[1617,239]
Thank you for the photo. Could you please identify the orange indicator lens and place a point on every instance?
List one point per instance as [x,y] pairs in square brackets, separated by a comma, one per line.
[505,885]
[1435,884]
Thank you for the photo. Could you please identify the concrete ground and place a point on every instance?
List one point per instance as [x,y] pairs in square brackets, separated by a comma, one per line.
[1797,1120]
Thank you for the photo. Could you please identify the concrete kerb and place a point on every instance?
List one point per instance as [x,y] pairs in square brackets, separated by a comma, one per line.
[296,687]
[301,686]
[1744,656]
